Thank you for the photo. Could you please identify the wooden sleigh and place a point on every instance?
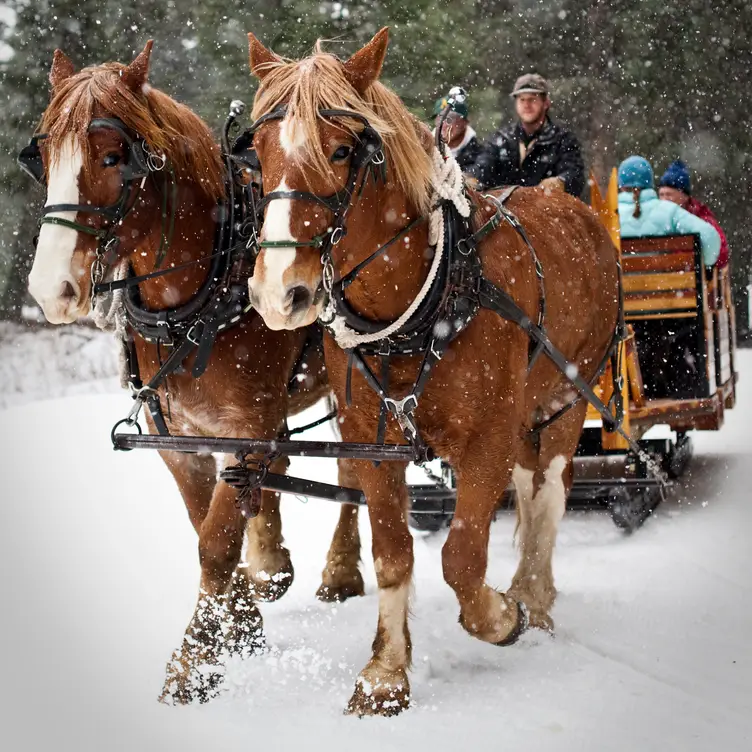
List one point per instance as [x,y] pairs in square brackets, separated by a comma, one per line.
[677,365]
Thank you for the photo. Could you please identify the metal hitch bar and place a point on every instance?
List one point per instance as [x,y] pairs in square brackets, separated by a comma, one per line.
[200,444]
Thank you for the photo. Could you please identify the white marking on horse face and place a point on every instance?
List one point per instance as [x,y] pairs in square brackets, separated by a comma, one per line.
[270,294]
[54,256]
[292,136]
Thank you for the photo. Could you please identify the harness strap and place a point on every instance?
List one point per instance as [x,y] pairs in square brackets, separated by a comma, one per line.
[121,284]
[381,431]
[101,234]
[500,302]
[209,328]
[349,278]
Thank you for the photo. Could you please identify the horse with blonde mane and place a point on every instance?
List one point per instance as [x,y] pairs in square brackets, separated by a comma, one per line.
[336,219]
[114,141]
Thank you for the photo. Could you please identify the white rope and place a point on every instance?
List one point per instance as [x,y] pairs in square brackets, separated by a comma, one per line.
[447,183]
[109,316]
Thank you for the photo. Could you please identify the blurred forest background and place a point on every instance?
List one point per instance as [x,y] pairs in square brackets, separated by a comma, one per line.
[661,78]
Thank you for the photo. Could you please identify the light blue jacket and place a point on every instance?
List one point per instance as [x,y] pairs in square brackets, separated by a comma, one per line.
[666,218]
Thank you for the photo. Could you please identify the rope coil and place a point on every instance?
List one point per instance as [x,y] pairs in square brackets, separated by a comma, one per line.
[448,185]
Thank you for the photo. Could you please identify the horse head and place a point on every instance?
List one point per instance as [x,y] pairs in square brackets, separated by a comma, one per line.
[323,128]
[113,153]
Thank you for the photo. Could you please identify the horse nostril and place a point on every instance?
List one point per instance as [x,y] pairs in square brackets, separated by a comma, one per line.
[67,291]
[299,297]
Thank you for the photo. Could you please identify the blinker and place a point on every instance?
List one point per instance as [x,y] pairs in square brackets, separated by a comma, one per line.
[30,159]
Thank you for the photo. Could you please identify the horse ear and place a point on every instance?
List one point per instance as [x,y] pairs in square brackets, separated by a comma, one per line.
[62,69]
[364,67]
[134,76]
[259,57]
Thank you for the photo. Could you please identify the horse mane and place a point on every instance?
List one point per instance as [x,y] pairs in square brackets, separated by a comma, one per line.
[165,125]
[318,82]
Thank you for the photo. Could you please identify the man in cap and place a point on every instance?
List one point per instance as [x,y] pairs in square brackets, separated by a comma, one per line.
[457,132]
[533,151]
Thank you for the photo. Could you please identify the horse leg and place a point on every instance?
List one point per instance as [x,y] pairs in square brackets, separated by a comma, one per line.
[483,475]
[382,687]
[196,476]
[267,570]
[341,578]
[542,481]
[189,675]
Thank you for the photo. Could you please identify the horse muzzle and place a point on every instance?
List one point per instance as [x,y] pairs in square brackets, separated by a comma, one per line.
[61,300]
[291,308]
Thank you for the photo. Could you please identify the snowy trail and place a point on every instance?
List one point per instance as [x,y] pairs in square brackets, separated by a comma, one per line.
[652,651]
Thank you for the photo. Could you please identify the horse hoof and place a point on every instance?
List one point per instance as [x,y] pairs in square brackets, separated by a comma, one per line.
[384,699]
[198,685]
[244,632]
[523,622]
[268,588]
[541,620]
[340,593]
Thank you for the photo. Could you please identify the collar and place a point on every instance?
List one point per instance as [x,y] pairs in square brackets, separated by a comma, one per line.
[469,136]
[522,135]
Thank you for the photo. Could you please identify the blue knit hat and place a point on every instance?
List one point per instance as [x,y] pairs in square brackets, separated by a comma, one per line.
[635,172]
[676,176]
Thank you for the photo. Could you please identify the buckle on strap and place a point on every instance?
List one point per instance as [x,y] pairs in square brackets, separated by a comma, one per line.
[191,334]
[402,411]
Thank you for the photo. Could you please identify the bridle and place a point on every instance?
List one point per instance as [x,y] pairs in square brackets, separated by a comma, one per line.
[366,158]
[140,162]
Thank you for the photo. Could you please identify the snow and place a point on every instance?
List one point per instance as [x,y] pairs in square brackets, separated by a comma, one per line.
[653,630]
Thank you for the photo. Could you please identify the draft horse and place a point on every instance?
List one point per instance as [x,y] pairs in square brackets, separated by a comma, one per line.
[119,159]
[350,177]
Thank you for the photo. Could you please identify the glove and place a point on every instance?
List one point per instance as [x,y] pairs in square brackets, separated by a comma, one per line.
[552,184]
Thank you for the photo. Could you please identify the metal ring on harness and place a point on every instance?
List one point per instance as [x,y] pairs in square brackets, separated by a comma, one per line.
[124,422]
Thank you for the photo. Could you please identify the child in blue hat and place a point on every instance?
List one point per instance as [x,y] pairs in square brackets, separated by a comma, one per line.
[675,185]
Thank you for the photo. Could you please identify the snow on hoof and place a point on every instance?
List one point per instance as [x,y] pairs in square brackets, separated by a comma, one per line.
[386,696]
[339,592]
[269,587]
[199,684]
[244,629]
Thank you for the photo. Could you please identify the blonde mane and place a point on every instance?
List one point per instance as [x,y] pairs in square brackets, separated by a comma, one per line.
[318,82]
[165,125]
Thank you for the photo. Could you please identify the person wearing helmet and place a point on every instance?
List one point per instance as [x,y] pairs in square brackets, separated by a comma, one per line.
[533,151]
[675,186]
[642,213]
[457,133]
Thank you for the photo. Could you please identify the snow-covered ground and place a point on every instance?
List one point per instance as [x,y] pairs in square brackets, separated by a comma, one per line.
[55,362]
[653,631]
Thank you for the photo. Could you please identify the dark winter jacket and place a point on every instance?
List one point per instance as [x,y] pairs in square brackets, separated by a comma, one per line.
[551,152]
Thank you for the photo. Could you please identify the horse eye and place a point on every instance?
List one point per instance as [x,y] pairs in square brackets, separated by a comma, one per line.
[111,160]
[342,153]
